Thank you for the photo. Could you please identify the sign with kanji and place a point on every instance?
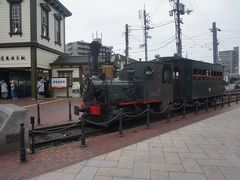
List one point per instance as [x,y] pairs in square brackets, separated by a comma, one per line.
[57,82]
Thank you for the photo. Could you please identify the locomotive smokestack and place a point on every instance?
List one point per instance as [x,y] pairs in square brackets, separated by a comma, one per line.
[95,48]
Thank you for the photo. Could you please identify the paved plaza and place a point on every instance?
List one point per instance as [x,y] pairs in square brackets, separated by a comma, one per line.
[52,111]
[208,149]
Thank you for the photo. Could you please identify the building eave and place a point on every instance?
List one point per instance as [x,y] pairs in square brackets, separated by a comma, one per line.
[58,6]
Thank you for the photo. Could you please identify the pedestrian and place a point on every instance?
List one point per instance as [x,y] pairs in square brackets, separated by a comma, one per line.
[13,90]
[40,88]
[4,90]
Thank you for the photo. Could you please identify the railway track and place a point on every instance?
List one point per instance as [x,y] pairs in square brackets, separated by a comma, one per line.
[56,135]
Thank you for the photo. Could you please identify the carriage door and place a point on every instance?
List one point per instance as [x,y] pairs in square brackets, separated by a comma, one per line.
[166,85]
[176,82]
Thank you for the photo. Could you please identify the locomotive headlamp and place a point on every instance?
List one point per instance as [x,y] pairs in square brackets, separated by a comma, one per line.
[148,71]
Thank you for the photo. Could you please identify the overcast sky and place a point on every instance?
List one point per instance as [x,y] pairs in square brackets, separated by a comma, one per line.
[108,17]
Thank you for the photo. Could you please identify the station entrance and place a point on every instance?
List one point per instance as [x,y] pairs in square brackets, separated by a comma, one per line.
[22,79]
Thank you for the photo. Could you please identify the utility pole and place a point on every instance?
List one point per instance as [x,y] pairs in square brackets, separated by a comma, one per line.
[127,43]
[146,27]
[145,33]
[214,30]
[178,30]
[178,10]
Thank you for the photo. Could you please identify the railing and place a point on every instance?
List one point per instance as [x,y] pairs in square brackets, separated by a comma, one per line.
[120,115]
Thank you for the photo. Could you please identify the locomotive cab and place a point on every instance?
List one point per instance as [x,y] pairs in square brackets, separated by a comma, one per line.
[139,84]
[153,81]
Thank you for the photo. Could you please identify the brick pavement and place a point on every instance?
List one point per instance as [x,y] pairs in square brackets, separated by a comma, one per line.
[208,149]
[166,155]
[52,111]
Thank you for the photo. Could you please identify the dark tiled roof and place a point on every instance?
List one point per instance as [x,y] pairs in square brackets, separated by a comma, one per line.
[84,60]
[73,60]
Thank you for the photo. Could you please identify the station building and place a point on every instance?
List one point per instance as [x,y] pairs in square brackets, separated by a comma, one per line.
[32,36]
[78,68]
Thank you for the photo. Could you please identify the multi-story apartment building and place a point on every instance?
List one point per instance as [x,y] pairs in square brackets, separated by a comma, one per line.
[230,60]
[32,35]
[81,48]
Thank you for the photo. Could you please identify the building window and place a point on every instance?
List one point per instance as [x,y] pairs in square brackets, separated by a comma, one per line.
[45,21]
[67,74]
[15,17]
[57,28]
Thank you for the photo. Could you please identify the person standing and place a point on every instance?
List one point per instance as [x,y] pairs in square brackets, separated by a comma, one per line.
[40,88]
[13,90]
[4,90]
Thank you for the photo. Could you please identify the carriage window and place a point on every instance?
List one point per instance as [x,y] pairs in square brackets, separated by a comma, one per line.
[176,73]
[167,75]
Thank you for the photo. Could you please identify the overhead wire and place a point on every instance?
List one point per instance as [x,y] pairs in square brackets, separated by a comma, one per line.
[161,25]
[155,26]
[131,35]
[230,38]
[153,13]
[137,51]
[200,34]
[169,42]
[197,11]
[162,42]
[204,12]
[191,39]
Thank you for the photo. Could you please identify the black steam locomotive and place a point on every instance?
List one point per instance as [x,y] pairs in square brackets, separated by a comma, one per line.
[155,83]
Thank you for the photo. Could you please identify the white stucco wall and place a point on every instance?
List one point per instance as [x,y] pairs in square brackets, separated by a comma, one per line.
[75,71]
[44,58]
[59,93]
[14,52]
[51,42]
[62,92]
[5,23]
